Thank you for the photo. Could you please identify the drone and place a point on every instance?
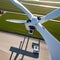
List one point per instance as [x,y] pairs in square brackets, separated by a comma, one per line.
[36,23]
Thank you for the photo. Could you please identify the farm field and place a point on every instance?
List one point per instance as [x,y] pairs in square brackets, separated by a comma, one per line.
[53,27]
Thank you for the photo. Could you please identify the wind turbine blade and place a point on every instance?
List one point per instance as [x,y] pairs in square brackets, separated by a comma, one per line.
[25,10]
[17,21]
[52,15]
[52,43]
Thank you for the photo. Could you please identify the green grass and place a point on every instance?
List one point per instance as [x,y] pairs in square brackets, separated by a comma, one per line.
[39,10]
[53,27]
[43,3]
[13,27]
[6,5]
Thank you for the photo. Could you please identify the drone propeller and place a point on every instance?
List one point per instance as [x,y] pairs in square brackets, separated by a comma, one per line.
[50,16]
[17,21]
[25,10]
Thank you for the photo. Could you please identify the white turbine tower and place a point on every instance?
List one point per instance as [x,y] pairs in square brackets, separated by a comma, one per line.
[51,41]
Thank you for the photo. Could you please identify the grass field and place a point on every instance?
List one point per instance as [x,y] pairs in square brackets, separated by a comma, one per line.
[43,3]
[13,27]
[53,27]
[6,5]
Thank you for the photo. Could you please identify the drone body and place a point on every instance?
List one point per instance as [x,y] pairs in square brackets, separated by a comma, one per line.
[36,23]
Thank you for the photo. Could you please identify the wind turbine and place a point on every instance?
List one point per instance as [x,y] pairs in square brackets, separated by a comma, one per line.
[51,41]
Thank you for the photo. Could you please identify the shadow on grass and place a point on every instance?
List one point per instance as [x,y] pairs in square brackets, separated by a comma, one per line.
[19,34]
[21,51]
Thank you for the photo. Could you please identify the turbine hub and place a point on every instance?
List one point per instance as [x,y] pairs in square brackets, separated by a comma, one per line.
[34,21]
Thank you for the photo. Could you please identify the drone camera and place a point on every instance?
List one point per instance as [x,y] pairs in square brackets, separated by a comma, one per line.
[28,21]
[32,28]
[38,18]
